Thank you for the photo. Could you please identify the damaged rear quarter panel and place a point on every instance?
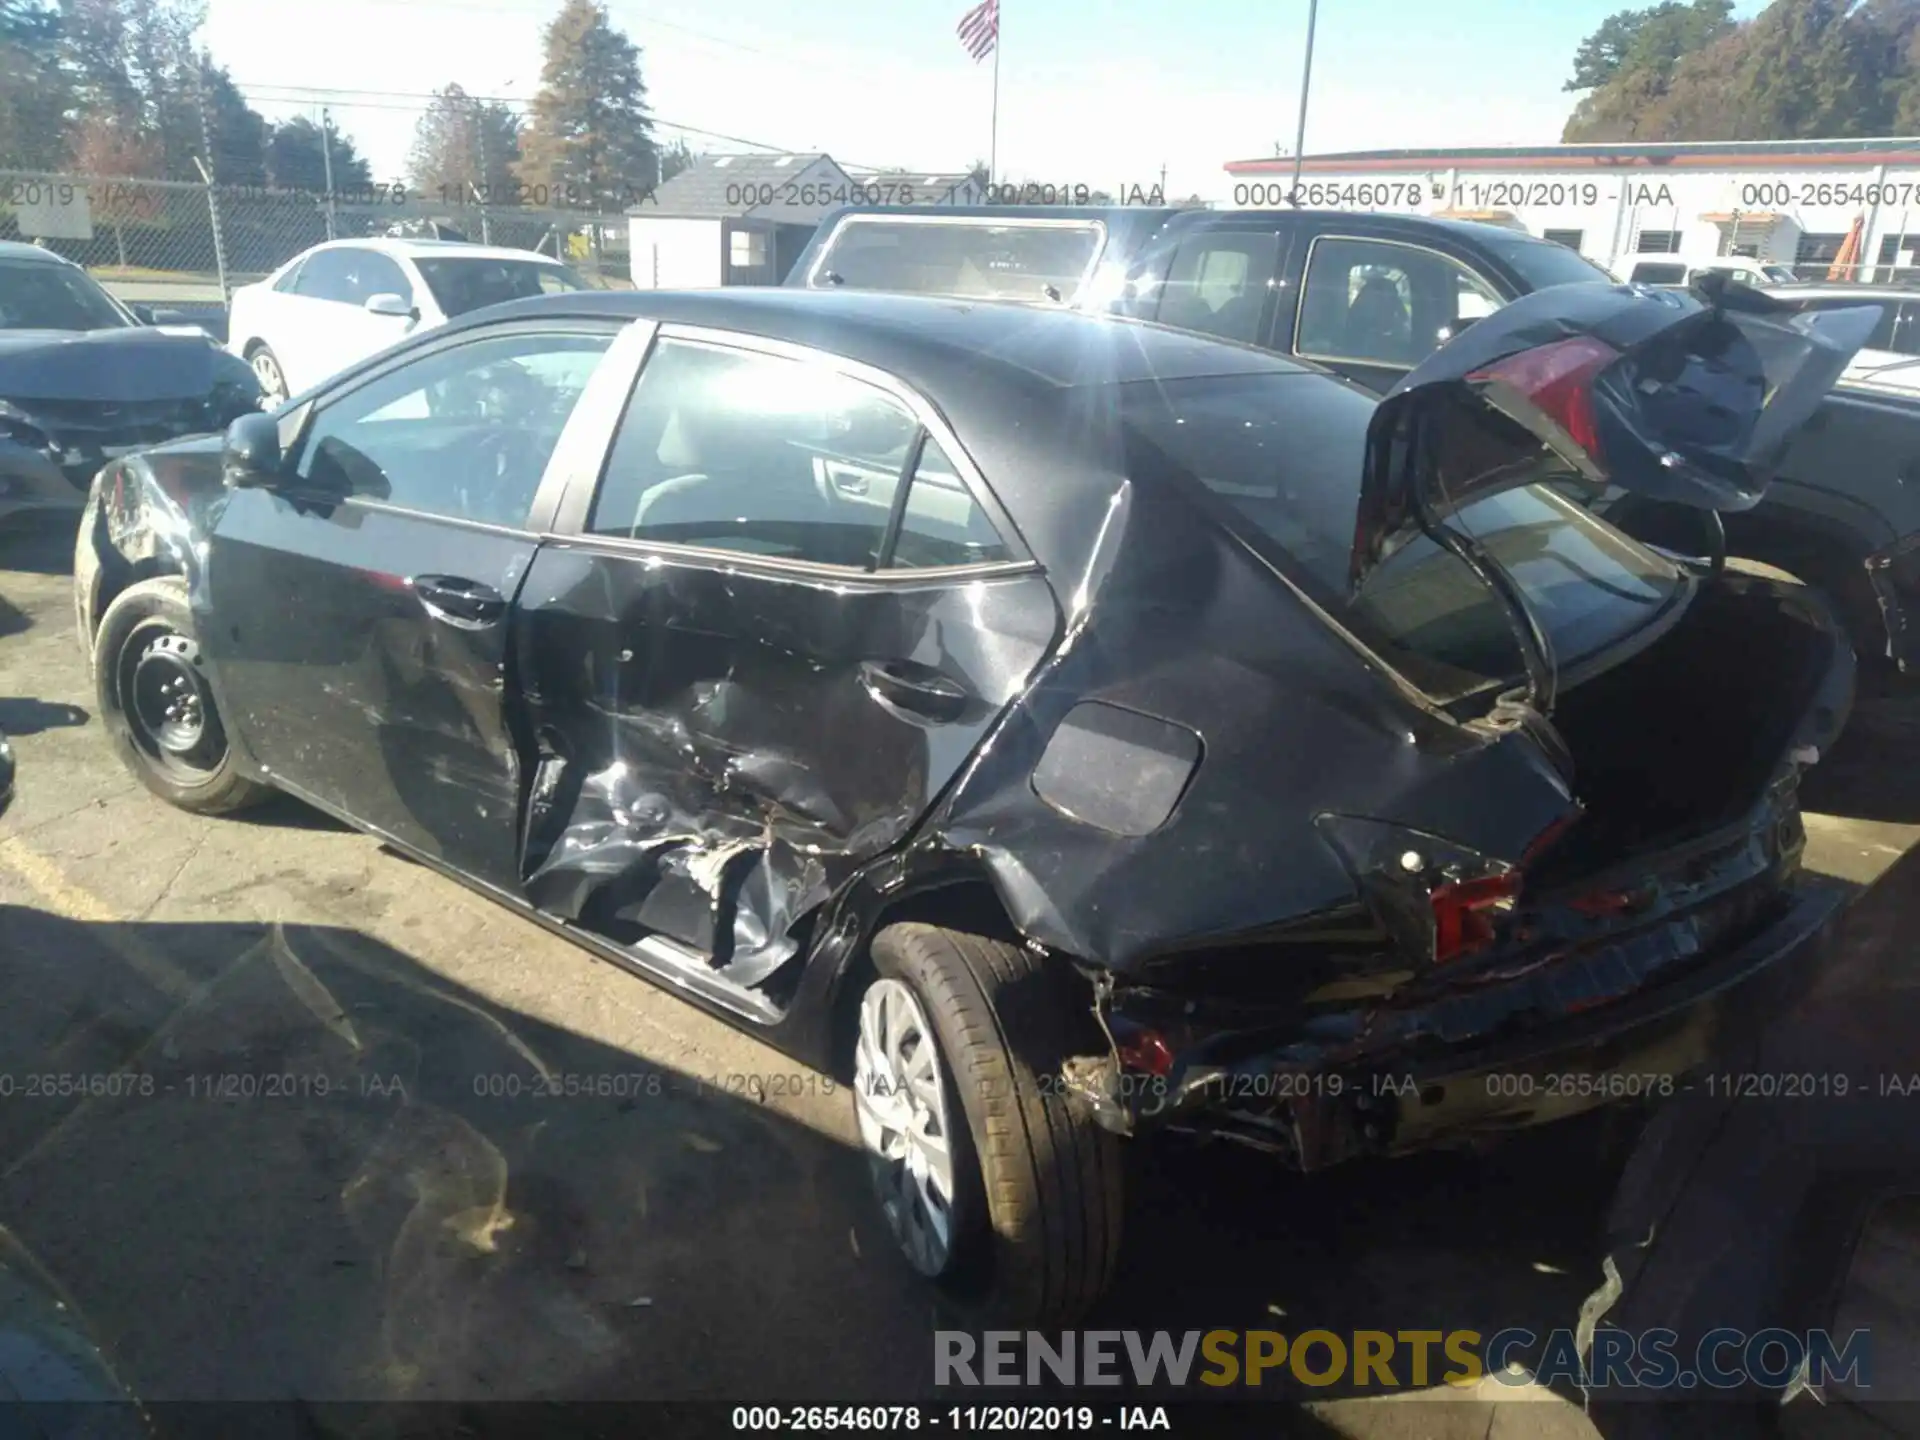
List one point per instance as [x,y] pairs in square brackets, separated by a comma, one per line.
[711,763]
[1174,618]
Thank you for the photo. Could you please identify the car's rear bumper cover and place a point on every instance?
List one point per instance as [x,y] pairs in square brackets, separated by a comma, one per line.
[1318,1109]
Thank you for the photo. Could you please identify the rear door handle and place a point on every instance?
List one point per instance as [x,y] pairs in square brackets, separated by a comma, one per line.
[459,600]
[913,687]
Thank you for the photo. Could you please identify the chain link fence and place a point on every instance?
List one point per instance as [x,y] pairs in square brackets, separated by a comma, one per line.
[189,245]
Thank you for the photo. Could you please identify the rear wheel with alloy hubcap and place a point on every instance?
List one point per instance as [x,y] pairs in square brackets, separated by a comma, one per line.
[266,369]
[995,1182]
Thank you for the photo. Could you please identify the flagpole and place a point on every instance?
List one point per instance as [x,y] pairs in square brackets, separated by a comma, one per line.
[993,128]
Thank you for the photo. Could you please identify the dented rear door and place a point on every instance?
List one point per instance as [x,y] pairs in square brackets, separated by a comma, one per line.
[755,658]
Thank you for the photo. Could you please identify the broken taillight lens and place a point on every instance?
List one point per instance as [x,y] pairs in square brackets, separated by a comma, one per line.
[1557,381]
[1464,913]
[1146,1051]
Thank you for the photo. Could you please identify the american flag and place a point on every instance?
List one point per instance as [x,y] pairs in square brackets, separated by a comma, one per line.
[979,29]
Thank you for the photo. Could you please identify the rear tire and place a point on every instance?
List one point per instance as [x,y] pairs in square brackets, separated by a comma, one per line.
[1037,1196]
[157,702]
[266,369]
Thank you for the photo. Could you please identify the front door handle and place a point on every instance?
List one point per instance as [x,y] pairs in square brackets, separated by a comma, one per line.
[460,601]
[919,689]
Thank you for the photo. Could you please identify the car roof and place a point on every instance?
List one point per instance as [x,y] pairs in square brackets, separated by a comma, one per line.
[929,340]
[21,250]
[429,249]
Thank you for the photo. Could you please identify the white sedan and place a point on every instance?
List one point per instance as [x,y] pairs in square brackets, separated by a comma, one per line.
[334,305]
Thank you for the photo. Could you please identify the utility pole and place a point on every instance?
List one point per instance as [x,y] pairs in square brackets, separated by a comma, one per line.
[1306,79]
[326,162]
[480,192]
[206,174]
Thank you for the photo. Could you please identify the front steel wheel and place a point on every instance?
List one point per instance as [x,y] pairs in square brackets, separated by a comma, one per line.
[158,704]
[900,1097]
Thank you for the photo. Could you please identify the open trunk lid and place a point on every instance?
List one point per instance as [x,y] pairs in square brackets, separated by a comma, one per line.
[1688,397]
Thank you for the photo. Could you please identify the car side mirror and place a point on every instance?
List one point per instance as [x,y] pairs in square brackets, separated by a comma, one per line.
[397,306]
[250,456]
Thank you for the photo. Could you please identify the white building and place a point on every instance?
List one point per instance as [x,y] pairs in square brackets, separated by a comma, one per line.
[744,219]
[1792,202]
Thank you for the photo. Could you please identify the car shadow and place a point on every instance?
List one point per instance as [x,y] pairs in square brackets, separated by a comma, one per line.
[31,717]
[294,1161]
[281,811]
[1868,776]
[38,542]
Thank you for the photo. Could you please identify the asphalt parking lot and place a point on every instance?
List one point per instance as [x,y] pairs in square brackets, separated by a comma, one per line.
[375,1207]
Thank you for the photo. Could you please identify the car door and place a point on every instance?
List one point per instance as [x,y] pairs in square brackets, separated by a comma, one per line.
[359,602]
[356,333]
[775,631]
[308,315]
[1373,308]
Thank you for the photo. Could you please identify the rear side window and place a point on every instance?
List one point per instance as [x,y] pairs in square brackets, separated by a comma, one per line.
[1028,260]
[735,450]
[1375,302]
[1219,284]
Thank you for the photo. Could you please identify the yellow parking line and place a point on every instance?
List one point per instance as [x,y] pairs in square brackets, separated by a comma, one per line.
[76,902]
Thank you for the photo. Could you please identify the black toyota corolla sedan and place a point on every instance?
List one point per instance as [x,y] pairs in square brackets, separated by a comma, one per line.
[1066,727]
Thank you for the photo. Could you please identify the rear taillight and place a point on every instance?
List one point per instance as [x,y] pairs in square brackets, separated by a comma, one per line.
[1464,913]
[1556,381]
[1147,1052]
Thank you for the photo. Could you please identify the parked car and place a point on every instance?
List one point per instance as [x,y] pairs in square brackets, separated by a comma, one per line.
[331,307]
[1678,272]
[1894,342]
[1065,726]
[1370,296]
[84,378]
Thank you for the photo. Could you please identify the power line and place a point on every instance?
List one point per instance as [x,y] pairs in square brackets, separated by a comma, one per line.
[419,100]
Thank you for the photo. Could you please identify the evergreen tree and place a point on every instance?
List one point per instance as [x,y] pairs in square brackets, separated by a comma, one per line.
[589,141]
[461,143]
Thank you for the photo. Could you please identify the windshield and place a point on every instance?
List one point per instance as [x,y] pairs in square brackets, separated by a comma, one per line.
[1022,261]
[1285,452]
[469,282]
[39,295]
[1543,263]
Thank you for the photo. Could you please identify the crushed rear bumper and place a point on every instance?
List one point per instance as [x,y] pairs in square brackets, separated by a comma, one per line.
[1318,1108]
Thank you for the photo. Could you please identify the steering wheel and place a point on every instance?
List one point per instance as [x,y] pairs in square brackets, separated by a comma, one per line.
[506,469]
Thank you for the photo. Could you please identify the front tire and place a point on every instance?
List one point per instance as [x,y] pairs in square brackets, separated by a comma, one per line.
[996,1183]
[157,702]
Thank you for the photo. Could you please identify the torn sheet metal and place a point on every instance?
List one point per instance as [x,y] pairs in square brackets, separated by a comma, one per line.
[715,759]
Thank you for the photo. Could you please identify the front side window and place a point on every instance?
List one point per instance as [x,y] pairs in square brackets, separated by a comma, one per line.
[1379,303]
[44,295]
[1285,453]
[461,283]
[1218,284]
[327,275]
[464,432]
[734,450]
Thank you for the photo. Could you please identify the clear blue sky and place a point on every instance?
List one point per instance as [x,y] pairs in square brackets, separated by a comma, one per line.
[1102,92]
